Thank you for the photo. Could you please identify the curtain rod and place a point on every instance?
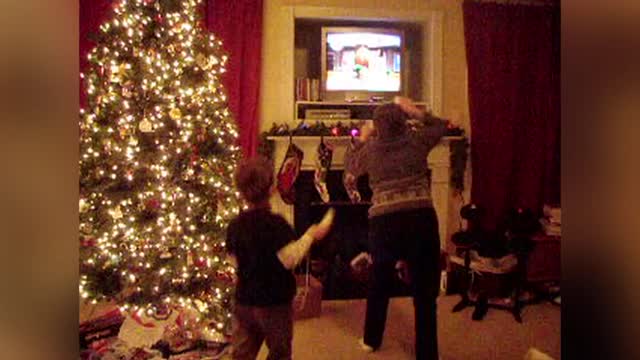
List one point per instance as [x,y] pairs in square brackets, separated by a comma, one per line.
[520,2]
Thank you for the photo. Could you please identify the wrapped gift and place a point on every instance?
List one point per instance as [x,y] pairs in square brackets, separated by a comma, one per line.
[140,330]
[101,327]
[308,300]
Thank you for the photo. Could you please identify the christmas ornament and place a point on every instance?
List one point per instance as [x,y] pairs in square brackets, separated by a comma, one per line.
[145,126]
[117,73]
[201,262]
[220,208]
[127,90]
[175,113]
[288,173]
[152,204]
[133,141]
[114,259]
[83,205]
[201,60]
[189,259]
[116,213]
[107,145]
[88,242]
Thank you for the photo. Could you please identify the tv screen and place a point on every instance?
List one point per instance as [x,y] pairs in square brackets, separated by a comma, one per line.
[363,60]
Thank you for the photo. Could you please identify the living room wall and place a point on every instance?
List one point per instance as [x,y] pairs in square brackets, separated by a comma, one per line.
[278,39]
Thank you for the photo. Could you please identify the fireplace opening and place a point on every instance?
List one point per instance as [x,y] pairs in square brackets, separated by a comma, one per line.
[331,257]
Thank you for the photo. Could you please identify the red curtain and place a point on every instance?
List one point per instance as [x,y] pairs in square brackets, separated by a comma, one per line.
[92,14]
[514,92]
[238,23]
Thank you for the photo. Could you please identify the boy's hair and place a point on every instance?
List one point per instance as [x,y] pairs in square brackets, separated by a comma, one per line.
[254,178]
[389,120]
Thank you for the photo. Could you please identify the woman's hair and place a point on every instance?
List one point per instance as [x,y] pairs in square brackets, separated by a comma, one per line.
[254,178]
[389,120]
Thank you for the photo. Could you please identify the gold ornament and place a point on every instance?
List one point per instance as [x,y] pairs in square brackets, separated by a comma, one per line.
[201,60]
[117,73]
[175,113]
[83,205]
[123,132]
[189,259]
[145,126]
[127,90]
[116,213]
[133,141]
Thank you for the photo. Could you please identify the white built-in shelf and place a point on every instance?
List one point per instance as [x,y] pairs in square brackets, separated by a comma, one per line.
[359,110]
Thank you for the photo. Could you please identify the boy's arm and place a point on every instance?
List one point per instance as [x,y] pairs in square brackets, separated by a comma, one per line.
[291,254]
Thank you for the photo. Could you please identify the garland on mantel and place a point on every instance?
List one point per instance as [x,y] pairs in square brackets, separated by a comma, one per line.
[458,147]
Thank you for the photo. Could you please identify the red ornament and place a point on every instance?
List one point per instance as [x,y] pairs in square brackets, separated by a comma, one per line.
[152,204]
[200,262]
[202,135]
[88,242]
[335,131]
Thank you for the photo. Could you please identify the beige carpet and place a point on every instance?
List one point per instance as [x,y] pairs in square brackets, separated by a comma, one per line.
[334,335]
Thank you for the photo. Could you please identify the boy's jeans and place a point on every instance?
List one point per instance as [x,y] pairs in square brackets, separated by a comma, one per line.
[253,325]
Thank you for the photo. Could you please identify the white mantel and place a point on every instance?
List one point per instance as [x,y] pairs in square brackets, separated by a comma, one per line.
[438,161]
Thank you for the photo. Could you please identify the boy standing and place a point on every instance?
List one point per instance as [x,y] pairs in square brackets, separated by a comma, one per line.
[265,249]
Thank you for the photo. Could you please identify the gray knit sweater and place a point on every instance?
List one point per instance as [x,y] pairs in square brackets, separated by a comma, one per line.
[397,166]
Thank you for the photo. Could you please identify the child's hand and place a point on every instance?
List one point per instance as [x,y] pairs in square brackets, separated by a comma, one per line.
[361,261]
[408,107]
[367,130]
[320,230]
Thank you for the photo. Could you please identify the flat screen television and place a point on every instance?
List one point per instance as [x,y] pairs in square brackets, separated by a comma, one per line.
[361,63]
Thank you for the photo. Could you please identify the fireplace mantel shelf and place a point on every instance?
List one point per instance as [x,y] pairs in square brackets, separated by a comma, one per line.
[339,138]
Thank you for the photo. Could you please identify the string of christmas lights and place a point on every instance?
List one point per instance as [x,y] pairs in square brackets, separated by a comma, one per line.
[157,153]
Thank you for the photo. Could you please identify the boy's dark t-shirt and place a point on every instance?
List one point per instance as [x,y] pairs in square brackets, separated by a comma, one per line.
[254,238]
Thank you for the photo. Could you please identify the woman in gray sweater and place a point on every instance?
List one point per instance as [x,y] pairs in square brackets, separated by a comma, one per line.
[402,221]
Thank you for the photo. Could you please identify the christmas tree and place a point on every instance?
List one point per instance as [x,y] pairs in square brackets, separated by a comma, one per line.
[157,154]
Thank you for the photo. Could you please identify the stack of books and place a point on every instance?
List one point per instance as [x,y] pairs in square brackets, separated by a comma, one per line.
[307,89]
[552,221]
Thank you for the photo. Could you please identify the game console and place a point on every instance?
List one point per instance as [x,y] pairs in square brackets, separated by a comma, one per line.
[327,114]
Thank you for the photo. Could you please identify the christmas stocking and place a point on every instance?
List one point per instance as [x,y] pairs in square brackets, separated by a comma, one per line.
[351,185]
[325,153]
[288,173]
